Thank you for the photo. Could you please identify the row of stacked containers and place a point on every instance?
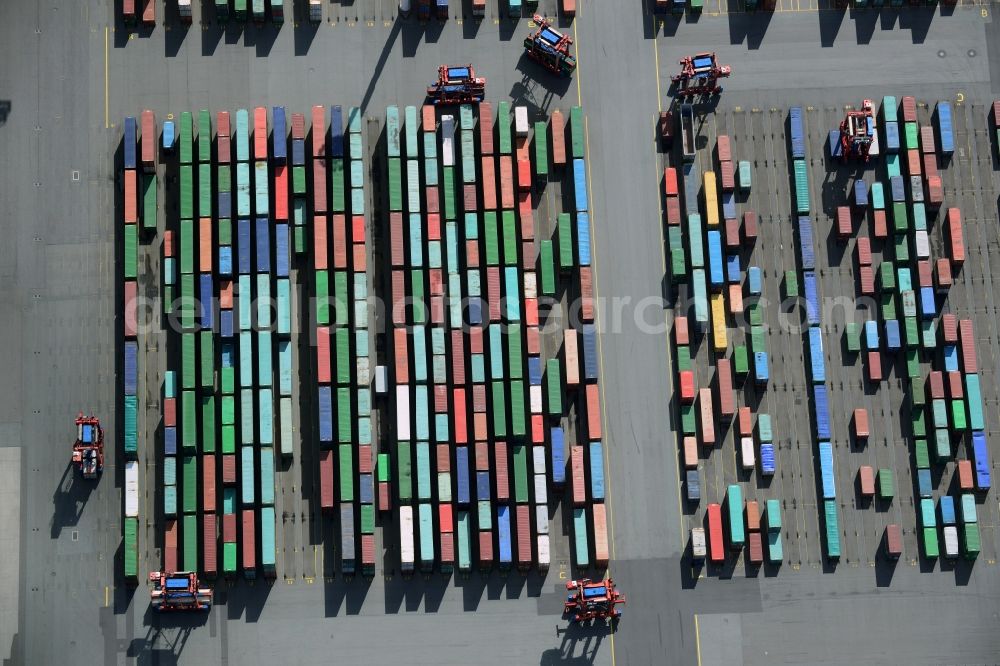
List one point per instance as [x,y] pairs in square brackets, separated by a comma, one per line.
[463,512]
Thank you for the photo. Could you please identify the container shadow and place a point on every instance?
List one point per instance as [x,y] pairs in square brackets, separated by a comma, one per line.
[245,599]
[580,645]
[69,499]
[829,25]
[303,29]
[865,22]
[918,21]
[261,36]
[212,29]
[747,27]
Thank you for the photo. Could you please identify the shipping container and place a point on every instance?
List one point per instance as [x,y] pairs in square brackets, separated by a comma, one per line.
[734,510]
[716,548]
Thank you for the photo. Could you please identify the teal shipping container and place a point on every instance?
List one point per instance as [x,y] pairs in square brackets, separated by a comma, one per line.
[246,417]
[246,359]
[169,470]
[284,367]
[267,547]
[131,427]
[392,131]
[267,476]
[581,552]
[974,399]
[243,190]
[244,302]
[242,135]
[495,334]
[266,421]
[464,536]
[421,411]
[426,514]
[284,298]
[696,246]
[832,527]
[512,302]
[413,186]
[423,471]
[264,372]
[411,126]
[485,515]
[170,500]
[247,494]
[734,509]
[260,180]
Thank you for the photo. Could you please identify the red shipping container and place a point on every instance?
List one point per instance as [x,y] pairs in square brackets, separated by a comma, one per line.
[707,416]
[681,332]
[470,198]
[399,339]
[927,139]
[440,398]
[368,550]
[880,225]
[673,211]
[457,357]
[930,165]
[384,497]
[229,528]
[893,541]
[670,181]
[935,383]
[735,299]
[318,131]
[148,141]
[874,366]
[523,514]
[398,297]
[844,226]
[365,462]
[360,258]
[955,236]
[909,109]
[326,479]
[956,390]
[434,227]
[745,422]
[716,546]
[298,126]
[493,294]
[472,254]
[537,429]
[485,549]
[226,294]
[445,513]
[600,535]
[965,475]
[397,250]
[755,550]
[586,294]
[170,545]
[732,233]
[527,219]
[205,245]
[475,340]
[967,338]
[593,412]
[935,192]
[534,341]
[506,182]
[727,399]
[280,192]
[944,280]
[228,469]
[323,354]
[320,235]
[521,151]
[436,280]
[750,225]
[531,312]
[861,423]
[249,540]
[428,119]
[433,199]
[996,114]
[913,163]
[578,481]
[208,483]
[866,277]
[210,547]
[569,7]
[131,316]
[222,138]
[169,412]
[482,457]
[558,128]
[447,548]
[489,183]
[924,277]
[864,251]
[319,186]
[502,477]
[260,133]
[168,243]
[339,241]
[128,9]
[725,151]
[486,128]
[727,176]
[866,479]
[131,197]
[461,417]
[149,12]
[687,389]
[949,328]
[690,452]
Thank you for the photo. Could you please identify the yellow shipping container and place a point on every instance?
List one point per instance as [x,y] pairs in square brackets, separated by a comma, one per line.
[720,339]
[711,200]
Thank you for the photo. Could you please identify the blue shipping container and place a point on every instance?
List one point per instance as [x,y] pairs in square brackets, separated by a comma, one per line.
[503,534]
[225,201]
[170,441]
[298,152]
[281,250]
[836,149]
[336,131]
[947,506]
[226,323]
[580,184]
[129,141]
[483,486]
[225,260]
[325,414]
[279,135]
[767,458]
[760,370]
[893,341]
[897,187]
[806,244]
[892,137]
[590,368]
[583,237]
[558,448]
[755,280]
[366,488]
[928,307]
[263,245]
[205,301]
[596,471]
[797,133]
[981,455]
[821,406]
[816,358]
[243,246]
[131,367]
[946,137]
[534,371]
[462,471]
[715,274]
[924,485]
[826,470]
[693,485]
[860,194]
[812,298]
[691,186]
[729,205]
[950,354]
[733,273]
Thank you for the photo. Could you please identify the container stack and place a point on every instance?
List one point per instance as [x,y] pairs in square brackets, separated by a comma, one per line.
[131,344]
[298,176]
[283,241]
[820,402]
[675,238]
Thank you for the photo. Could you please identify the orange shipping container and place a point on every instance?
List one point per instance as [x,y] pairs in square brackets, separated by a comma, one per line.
[339,241]
[506,182]
[527,220]
[569,7]
[686,380]
[861,423]
[429,119]
[881,227]
[735,299]
[131,201]
[208,483]
[482,457]
[753,516]
[319,186]
[572,358]
[168,243]
[955,236]
[523,536]
[445,514]
[745,422]
[521,151]
[205,245]
[260,133]
[489,183]
[318,131]
[402,362]
[326,479]
[457,358]
[229,528]
[600,535]
[398,297]
[965,474]
[913,162]
[433,200]
[470,197]
[479,426]
[493,292]
[866,480]
[537,429]
[281,192]
[502,476]
[534,341]
[358,228]
[725,150]
[486,128]
[461,418]
[320,232]
[131,316]
[727,400]
[323,354]
[149,18]
[360,258]
[209,547]
[593,412]
[579,483]
[670,181]
[707,417]
[531,312]
[228,469]
[222,140]
[486,549]
[249,540]
[586,294]
[226,294]
[397,250]
[690,452]
[524,174]
[170,542]
[148,122]
[681,333]
[558,137]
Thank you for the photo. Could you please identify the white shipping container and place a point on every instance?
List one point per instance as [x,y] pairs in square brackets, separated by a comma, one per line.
[364,371]
[543,552]
[923,244]
[406,538]
[132,489]
[521,120]
[873,148]
[403,416]
[538,458]
[542,519]
[448,141]
[698,550]
[381,380]
[535,394]
[746,445]
[541,490]
[950,541]
[444,487]
[285,414]
[530,285]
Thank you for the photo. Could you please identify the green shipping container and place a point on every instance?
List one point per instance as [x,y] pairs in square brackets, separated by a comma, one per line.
[553,382]
[131,443]
[229,439]
[515,355]
[502,122]
[204,136]
[741,360]
[395,184]
[464,542]
[131,548]
[484,515]
[931,550]
[684,357]
[902,246]
[205,190]
[491,238]
[900,221]
[404,472]
[187,192]
[383,473]
[577,132]
[801,186]
[207,359]
[521,474]
[547,265]
[185,133]
[791,284]
[207,423]
[541,149]
[298,180]
[581,553]
[912,363]
[519,426]
[448,184]
[229,558]
[832,529]
[189,484]
[344,419]
[131,251]
[942,444]
[852,337]
[189,539]
[689,420]
[564,231]
[911,136]
[322,298]
[189,421]
[510,246]
[149,201]
[367,519]
[498,398]
[923,460]
[971,543]
[886,485]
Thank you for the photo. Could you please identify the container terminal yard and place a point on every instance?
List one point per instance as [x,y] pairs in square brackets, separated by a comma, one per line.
[744,374]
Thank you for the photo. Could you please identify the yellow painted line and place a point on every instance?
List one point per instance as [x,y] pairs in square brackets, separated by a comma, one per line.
[697,639]
[107,124]
[106,596]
